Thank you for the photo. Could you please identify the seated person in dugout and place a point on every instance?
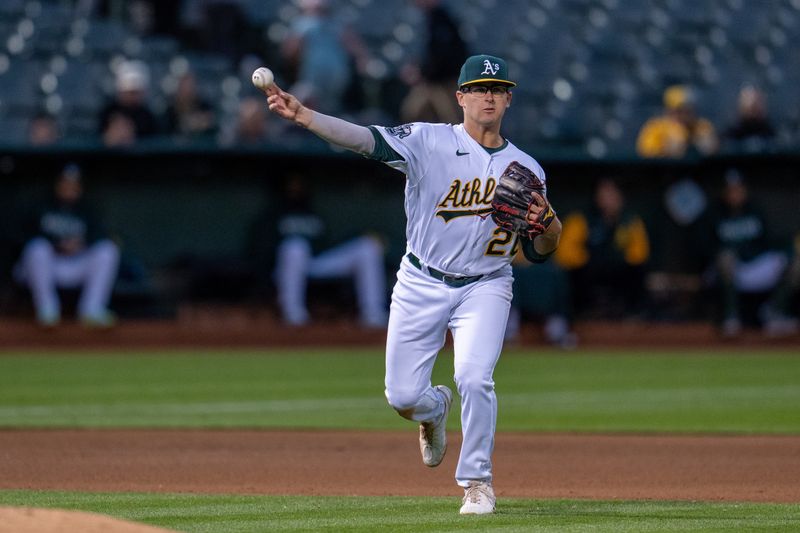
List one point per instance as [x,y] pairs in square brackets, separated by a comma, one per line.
[67,248]
[542,290]
[300,257]
[605,250]
[744,263]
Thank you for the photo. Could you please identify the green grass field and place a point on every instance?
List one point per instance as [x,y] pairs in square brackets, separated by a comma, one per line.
[692,391]
[262,514]
[602,391]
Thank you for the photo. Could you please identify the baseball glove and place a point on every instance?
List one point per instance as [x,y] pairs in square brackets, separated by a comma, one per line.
[512,199]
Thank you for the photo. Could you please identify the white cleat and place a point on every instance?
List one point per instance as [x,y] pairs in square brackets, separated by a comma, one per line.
[433,437]
[478,498]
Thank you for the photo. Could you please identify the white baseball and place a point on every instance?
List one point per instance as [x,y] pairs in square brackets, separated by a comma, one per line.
[262,77]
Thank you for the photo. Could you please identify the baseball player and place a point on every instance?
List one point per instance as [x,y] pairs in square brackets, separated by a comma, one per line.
[299,259]
[68,248]
[456,272]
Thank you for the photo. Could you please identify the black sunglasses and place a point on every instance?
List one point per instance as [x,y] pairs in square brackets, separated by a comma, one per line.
[481,90]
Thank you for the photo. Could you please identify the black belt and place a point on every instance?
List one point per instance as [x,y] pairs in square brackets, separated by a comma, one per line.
[447,279]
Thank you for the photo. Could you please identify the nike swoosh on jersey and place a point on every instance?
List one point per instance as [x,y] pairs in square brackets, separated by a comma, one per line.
[459,152]
[447,216]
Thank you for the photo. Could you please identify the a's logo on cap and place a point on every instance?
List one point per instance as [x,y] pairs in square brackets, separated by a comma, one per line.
[489,68]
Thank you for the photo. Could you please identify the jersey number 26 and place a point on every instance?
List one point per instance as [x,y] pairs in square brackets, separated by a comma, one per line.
[505,242]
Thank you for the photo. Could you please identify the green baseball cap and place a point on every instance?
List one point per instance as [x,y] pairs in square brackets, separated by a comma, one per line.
[482,69]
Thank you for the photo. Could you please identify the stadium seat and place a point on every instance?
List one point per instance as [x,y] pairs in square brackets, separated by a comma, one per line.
[12,9]
[14,130]
[104,38]
[20,93]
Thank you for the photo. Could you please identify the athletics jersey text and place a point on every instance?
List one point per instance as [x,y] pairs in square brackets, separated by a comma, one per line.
[467,198]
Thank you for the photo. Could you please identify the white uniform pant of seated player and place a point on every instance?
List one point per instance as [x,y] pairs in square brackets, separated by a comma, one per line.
[761,273]
[361,259]
[422,310]
[44,271]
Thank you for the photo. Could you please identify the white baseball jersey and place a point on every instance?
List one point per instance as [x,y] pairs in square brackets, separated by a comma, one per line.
[450,184]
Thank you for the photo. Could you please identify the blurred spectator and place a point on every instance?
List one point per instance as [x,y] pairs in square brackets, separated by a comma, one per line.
[323,55]
[217,26]
[678,131]
[752,129]
[127,118]
[300,256]
[605,251]
[43,130]
[252,126]
[154,16]
[67,247]
[188,115]
[542,293]
[433,81]
[144,16]
[744,263]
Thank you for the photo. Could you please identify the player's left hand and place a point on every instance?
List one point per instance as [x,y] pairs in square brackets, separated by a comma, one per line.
[538,204]
[519,202]
[540,214]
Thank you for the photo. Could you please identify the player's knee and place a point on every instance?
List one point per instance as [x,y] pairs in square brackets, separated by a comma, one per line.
[38,249]
[106,251]
[294,249]
[370,248]
[402,400]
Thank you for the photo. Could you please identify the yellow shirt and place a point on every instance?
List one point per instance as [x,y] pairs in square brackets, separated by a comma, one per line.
[665,136]
[630,239]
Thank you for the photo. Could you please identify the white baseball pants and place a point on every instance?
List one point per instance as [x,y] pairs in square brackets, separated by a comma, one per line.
[361,259]
[95,270]
[422,310]
[762,273]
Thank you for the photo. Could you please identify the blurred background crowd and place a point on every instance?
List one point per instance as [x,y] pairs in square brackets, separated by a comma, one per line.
[590,72]
[673,125]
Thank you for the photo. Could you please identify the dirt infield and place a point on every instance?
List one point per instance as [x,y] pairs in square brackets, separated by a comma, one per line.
[730,468]
[29,520]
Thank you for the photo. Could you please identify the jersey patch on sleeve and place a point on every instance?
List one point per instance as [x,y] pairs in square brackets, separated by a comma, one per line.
[400,131]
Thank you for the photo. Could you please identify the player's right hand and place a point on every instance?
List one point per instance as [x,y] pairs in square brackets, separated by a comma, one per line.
[285,105]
